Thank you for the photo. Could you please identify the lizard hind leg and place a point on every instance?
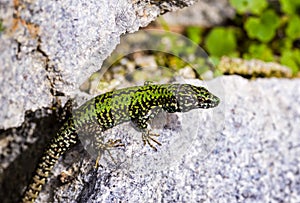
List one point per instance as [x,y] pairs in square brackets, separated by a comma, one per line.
[106,146]
[149,138]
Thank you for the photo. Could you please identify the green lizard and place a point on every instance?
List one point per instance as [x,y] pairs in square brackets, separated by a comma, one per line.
[136,104]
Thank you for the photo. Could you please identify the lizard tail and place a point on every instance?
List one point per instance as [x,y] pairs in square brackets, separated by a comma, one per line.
[63,141]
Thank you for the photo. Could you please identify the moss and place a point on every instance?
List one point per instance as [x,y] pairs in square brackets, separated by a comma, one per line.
[1,26]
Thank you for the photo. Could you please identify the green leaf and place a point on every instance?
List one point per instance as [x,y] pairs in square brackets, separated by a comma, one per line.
[282,44]
[291,58]
[245,6]
[259,51]
[1,26]
[263,28]
[290,6]
[194,33]
[293,28]
[221,41]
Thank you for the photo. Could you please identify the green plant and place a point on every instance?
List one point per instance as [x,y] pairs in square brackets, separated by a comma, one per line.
[221,41]
[261,29]
[194,33]
[264,27]
[249,6]
[1,26]
[259,51]
[291,58]
[293,27]
[290,6]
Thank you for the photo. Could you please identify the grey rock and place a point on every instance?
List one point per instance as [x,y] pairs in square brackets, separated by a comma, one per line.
[245,150]
[205,13]
[57,45]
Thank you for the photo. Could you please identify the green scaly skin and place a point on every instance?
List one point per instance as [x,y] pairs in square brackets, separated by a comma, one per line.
[135,104]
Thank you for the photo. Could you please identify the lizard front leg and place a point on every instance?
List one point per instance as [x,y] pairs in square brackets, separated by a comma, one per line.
[140,124]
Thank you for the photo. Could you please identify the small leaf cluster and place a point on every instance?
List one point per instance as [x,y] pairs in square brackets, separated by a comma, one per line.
[261,29]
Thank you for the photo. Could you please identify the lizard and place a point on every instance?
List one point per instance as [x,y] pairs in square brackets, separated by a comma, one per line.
[137,104]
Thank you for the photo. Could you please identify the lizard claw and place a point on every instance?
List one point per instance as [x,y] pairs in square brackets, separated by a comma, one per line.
[102,147]
[148,137]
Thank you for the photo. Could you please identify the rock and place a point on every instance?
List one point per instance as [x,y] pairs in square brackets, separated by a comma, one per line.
[245,150]
[203,13]
[49,48]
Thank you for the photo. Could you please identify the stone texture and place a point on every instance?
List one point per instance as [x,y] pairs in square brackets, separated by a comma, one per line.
[51,47]
[205,13]
[246,150]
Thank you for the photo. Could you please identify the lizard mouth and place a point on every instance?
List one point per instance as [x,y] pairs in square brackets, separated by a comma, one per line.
[215,101]
[209,102]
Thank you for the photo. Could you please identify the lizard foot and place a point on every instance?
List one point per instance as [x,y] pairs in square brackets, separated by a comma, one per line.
[148,138]
[102,147]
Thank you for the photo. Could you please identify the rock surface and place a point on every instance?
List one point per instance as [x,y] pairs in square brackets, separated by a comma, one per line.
[203,13]
[246,150]
[52,47]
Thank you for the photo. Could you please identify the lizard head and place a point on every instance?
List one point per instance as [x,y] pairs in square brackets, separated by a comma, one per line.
[192,97]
